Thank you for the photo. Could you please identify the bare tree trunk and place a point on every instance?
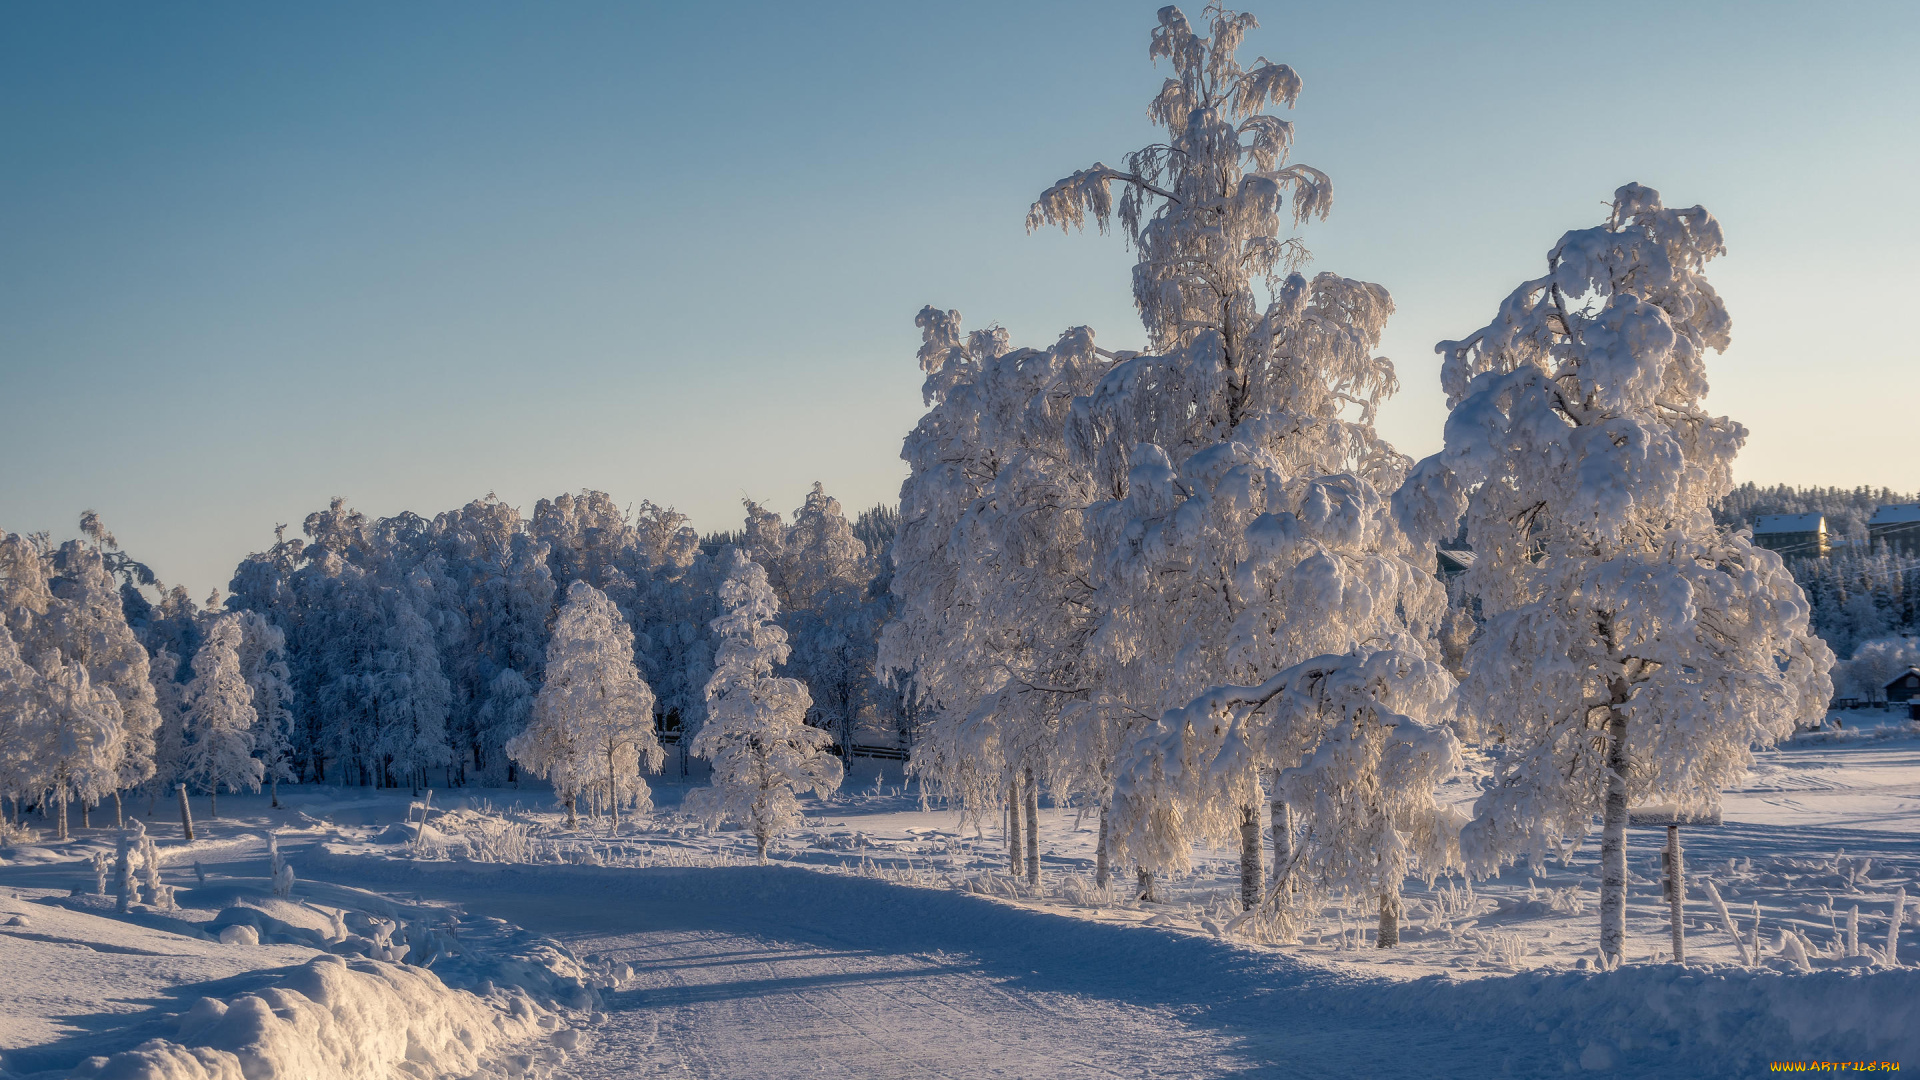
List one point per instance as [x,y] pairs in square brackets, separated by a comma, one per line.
[1013,827]
[1389,934]
[86,814]
[1249,857]
[213,802]
[1613,838]
[1033,830]
[186,814]
[571,819]
[1677,894]
[273,787]
[760,837]
[119,812]
[60,816]
[1147,893]
[1100,873]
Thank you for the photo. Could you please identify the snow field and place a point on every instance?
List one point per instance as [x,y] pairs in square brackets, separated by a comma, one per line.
[344,983]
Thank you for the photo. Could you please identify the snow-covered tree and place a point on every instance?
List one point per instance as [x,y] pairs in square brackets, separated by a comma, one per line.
[170,741]
[89,623]
[411,694]
[503,715]
[71,735]
[591,729]
[220,719]
[756,734]
[1874,664]
[1632,650]
[819,571]
[1237,526]
[23,722]
[262,652]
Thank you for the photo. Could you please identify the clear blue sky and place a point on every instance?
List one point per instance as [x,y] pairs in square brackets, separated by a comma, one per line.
[255,255]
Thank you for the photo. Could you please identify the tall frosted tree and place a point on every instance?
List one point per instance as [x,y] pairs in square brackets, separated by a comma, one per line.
[830,620]
[1633,650]
[1237,525]
[220,717]
[262,653]
[73,734]
[756,734]
[591,729]
[411,694]
[89,623]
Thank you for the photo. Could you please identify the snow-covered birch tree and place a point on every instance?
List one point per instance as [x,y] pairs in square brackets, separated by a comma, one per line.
[1238,526]
[1633,651]
[591,730]
[756,734]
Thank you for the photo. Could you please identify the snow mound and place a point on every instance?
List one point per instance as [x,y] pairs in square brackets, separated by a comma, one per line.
[334,1019]
[1643,1017]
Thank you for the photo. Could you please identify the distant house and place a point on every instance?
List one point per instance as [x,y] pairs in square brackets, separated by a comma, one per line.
[1897,526]
[1792,534]
[1453,562]
[1905,686]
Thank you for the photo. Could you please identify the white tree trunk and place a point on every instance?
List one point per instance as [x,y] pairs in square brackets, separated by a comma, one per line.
[120,812]
[572,820]
[1100,872]
[1677,894]
[1033,831]
[1613,841]
[1389,933]
[1282,837]
[60,815]
[186,812]
[1249,857]
[1013,827]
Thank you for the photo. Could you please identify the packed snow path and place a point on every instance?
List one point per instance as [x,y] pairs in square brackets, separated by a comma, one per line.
[743,972]
[780,972]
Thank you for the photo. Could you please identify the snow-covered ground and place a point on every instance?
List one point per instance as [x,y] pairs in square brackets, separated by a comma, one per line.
[887,940]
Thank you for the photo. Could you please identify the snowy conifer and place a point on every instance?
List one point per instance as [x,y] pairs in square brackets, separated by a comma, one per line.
[756,734]
[262,653]
[220,718]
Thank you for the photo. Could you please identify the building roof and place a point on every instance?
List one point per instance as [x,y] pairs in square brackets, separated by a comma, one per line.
[1891,683]
[1789,523]
[1897,514]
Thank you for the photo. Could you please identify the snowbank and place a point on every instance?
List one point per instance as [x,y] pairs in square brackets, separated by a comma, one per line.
[333,1019]
[1640,1017]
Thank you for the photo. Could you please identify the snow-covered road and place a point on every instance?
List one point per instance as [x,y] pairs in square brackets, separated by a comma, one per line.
[743,972]
[716,1004]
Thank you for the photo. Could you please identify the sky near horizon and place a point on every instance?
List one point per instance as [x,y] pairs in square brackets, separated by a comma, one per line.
[254,256]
